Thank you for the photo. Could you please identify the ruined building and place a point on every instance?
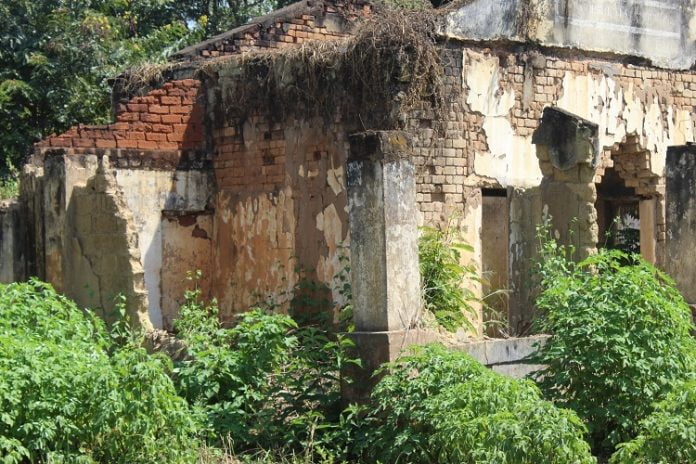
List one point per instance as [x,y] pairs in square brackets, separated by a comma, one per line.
[326,132]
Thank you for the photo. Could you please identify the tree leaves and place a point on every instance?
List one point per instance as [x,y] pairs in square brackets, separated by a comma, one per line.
[56,57]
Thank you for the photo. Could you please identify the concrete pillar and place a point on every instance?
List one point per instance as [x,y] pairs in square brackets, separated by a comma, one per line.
[383,249]
[383,232]
[648,229]
[680,246]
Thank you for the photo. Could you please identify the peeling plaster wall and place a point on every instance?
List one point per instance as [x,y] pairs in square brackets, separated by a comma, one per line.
[487,143]
[511,159]
[99,229]
[280,209]
[186,248]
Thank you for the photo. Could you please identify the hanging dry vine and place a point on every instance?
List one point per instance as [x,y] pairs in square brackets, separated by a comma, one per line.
[389,67]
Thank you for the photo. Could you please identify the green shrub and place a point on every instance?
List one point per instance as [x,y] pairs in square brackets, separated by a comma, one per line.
[438,405]
[64,398]
[620,339]
[666,436]
[263,383]
[443,277]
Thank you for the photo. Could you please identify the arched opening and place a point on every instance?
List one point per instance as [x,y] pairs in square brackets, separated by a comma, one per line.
[630,200]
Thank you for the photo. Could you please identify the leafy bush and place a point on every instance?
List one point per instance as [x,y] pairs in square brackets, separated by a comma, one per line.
[64,398]
[668,435]
[620,339]
[265,382]
[442,274]
[438,405]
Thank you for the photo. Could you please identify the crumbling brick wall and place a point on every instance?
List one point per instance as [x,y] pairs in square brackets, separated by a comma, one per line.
[290,26]
[169,118]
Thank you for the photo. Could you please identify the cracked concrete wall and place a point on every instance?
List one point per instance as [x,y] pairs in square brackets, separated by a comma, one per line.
[12,262]
[100,230]
[93,254]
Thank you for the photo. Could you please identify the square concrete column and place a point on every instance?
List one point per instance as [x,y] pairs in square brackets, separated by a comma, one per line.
[383,232]
[383,251]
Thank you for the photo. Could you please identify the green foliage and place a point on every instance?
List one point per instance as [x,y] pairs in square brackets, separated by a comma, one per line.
[668,435]
[443,277]
[56,56]
[438,405]
[265,382]
[65,398]
[620,338]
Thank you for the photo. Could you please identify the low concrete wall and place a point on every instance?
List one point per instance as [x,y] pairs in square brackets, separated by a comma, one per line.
[506,356]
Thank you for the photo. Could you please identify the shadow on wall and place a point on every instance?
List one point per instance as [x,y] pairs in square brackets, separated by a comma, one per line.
[102,259]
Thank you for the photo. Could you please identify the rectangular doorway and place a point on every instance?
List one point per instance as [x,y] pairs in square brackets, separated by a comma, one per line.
[495,259]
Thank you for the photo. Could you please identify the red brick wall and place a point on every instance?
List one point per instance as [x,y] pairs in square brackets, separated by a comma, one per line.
[166,119]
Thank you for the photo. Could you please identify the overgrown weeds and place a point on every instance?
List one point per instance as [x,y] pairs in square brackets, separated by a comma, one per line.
[439,405]
[446,281]
[69,394]
[264,383]
[668,434]
[620,338]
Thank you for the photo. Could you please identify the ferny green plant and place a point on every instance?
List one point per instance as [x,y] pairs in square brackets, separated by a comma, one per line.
[265,382]
[444,277]
[666,436]
[438,405]
[620,338]
[68,394]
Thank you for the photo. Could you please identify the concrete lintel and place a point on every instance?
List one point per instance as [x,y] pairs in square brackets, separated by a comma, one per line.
[570,139]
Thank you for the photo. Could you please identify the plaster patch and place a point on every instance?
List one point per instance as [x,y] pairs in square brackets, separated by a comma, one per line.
[511,159]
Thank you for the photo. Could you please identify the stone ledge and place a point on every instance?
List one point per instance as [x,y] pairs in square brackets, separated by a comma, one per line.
[502,351]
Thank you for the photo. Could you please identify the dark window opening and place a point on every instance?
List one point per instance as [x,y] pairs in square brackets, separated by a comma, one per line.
[618,214]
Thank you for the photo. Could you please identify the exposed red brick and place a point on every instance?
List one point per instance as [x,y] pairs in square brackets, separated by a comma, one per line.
[156,136]
[106,143]
[137,107]
[168,100]
[171,119]
[158,109]
[179,109]
[147,145]
[152,118]
[126,143]
[128,116]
